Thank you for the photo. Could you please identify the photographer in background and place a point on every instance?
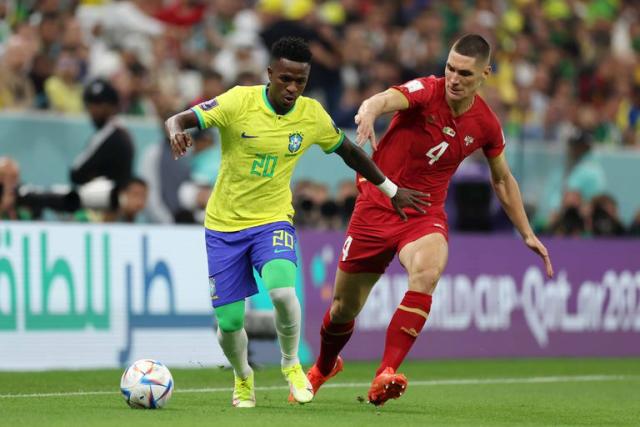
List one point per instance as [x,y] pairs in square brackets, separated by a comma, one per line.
[605,220]
[102,174]
[110,151]
[570,220]
[581,179]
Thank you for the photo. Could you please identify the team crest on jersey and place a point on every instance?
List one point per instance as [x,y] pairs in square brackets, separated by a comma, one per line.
[208,105]
[448,131]
[212,288]
[468,140]
[295,141]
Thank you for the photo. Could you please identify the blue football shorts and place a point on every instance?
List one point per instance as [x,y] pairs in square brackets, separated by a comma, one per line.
[232,256]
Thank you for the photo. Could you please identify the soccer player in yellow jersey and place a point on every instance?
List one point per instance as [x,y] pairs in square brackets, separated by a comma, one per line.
[264,131]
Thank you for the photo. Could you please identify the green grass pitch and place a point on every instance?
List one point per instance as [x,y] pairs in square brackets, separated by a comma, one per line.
[532,392]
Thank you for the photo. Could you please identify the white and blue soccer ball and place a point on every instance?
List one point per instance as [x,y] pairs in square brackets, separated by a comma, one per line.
[146,384]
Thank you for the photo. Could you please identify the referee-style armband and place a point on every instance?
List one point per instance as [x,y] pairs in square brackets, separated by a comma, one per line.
[388,188]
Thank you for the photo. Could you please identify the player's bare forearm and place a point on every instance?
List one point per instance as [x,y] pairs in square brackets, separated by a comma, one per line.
[389,101]
[359,161]
[175,127]
[383,102]
[508,192]
[180,122]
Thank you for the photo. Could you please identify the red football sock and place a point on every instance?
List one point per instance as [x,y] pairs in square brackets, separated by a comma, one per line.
[334,338]
[405,325]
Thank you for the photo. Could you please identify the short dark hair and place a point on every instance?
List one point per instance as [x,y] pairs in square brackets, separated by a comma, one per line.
[291,48]
[473,45]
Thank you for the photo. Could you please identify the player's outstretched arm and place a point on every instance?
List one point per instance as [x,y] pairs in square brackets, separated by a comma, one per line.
[390,100]
[175,127]
[358,160]
[508,192]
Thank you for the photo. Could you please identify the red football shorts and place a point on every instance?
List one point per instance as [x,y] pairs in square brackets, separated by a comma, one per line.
[376,234]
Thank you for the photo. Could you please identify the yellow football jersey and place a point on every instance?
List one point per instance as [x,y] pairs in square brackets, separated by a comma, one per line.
[260,149]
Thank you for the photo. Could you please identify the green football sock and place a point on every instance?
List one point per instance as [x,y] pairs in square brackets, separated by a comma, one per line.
[279,278]
[233,338]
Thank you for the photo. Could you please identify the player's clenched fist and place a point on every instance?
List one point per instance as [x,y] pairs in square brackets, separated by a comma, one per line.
[180,141]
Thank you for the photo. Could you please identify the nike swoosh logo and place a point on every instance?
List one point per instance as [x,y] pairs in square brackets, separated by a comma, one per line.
[244,135]
[277,251]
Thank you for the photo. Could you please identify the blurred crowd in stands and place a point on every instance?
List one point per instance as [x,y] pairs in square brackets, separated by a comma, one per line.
[564,73]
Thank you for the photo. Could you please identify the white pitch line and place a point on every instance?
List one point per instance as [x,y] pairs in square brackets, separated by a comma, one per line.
[467,381]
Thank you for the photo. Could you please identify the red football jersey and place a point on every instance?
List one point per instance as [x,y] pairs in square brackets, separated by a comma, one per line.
[425,143]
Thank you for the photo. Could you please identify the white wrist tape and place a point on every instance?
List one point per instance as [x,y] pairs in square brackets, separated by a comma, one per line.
[388,188]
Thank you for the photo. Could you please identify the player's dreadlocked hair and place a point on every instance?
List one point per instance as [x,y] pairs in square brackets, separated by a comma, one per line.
[291,48]
[473,45]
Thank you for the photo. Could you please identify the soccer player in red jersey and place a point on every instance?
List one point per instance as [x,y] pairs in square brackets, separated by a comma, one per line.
[437,123]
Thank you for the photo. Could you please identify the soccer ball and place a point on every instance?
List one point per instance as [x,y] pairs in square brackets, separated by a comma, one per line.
[146,384]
